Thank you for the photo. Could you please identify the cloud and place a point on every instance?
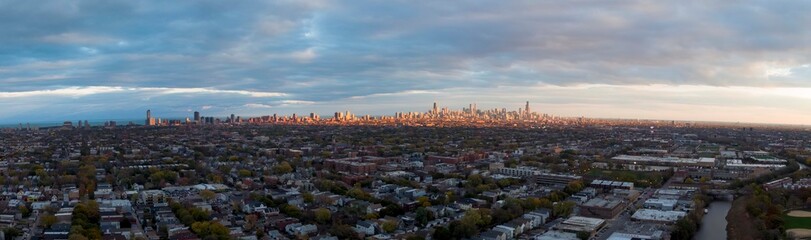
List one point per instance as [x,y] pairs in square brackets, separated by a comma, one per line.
[76,38]
[92,90]
[402,93]
[257,105]
[325,52]
[305,55]
[68,92]
[210,91]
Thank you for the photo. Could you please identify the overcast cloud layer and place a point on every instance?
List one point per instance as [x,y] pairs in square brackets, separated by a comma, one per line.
[745,61]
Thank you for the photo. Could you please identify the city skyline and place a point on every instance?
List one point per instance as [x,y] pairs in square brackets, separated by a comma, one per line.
[729,62]
[472,115]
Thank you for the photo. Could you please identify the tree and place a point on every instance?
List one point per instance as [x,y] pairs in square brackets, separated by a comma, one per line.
[358,193]
[47,220]
[371,216]
[393,210]
[423,216]
[343,231]
[291,211]
[207,229]
[207,195]
[85,221]
[250,221]
[460,230]
[282,168]
[308,197]
[442,233]
[322,215]
[389,226]
[415,237]
[12,233]
[574,187]
[474,180]
[477,218]
[25,211]
[563,209]
[424,201]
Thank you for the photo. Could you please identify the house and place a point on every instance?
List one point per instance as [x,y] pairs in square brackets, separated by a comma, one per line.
[508,231]
[537,217]
[276,235]
[438,211]
[515,190]
[493,235]
[307,229]
[491,196]
[298,229]
[150,197]
[253,207]
[469,203]
[57,231]
[366,227]
[204,206]
[38,206]
[109,225]
[324,237]
[282,223]
[374,208]
[520,225]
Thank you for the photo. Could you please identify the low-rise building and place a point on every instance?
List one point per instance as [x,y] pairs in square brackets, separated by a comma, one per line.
[581,224]
[657,216]
[557,235]
[660,204]
[605,208]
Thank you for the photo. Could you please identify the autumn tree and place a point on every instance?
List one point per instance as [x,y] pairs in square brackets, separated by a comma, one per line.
[282,168]
[47,220]
[322,215]
[308,197]
[207,195]
[389,226]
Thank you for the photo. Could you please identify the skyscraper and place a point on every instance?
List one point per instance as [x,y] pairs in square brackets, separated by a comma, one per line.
[148,118]
[196,117]
[435,110]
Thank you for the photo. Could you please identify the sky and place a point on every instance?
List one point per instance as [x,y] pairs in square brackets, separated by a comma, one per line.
[735,61]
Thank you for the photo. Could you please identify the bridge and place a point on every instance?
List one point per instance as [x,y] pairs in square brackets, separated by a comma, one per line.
[722,194]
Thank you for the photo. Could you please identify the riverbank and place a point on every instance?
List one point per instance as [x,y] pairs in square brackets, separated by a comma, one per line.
[740,225]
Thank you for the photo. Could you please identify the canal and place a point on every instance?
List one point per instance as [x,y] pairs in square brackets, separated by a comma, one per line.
[714,224]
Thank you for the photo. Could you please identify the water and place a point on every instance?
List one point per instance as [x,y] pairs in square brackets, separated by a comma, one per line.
[714,223]
[120,122]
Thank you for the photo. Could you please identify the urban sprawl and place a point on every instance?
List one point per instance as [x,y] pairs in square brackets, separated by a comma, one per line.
[492,174]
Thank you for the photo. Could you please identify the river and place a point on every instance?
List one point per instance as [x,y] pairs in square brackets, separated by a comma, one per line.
[714,223]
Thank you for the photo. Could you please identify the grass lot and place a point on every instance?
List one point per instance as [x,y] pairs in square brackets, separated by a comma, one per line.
[797,222]
[640,179]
